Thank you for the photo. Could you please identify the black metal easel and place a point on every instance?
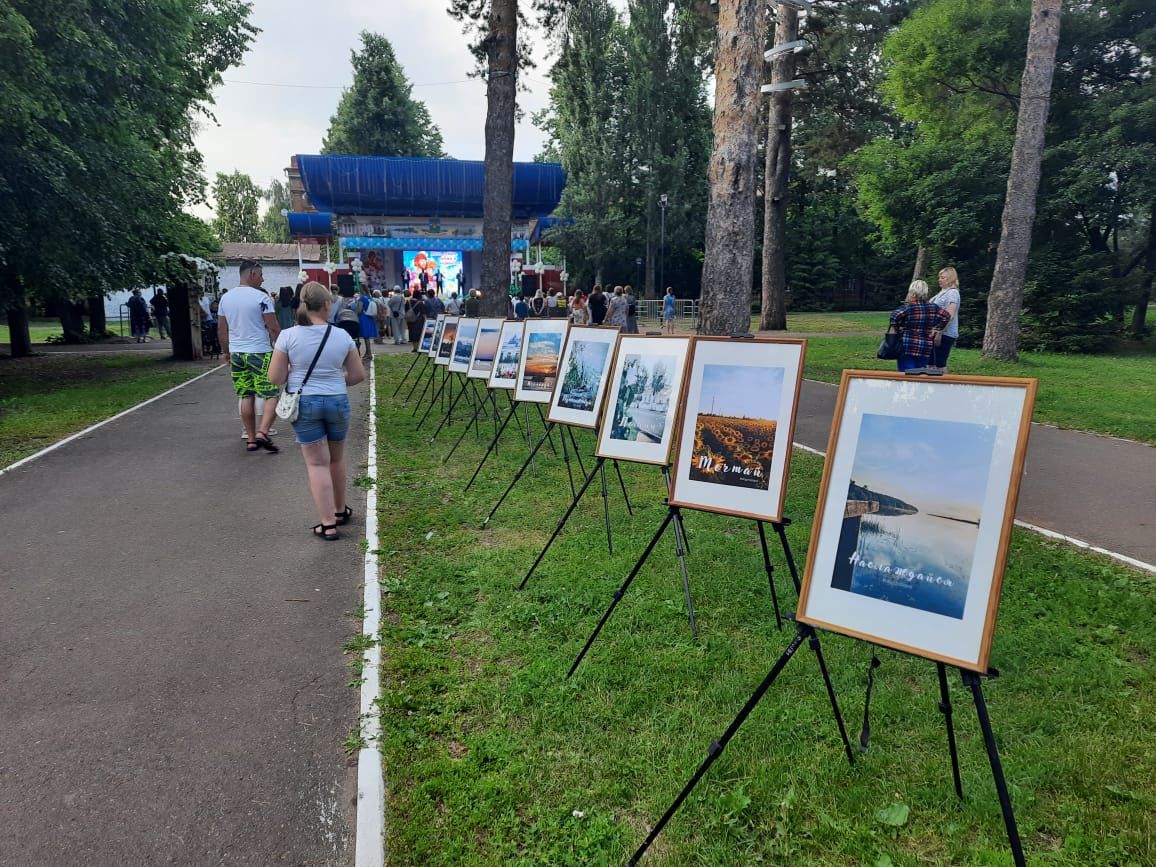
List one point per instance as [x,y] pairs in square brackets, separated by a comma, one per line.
[479,411]
[529,460]
[421,377]
[413,364]
[492,448]
[674,514]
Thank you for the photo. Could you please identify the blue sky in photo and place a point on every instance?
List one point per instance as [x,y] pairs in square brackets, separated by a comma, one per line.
[938,466]
[741,391]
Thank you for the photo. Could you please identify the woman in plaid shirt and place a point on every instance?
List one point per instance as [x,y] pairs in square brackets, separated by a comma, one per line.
[915,321]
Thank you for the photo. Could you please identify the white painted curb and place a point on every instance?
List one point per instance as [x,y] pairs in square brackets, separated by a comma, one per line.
[1051,534]
[99,424]
[370,835]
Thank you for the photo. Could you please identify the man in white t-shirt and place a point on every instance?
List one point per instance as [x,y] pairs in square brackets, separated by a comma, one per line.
[248,326]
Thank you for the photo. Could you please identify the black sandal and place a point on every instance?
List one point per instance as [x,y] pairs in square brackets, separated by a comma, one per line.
[322,531]
[251,446]
[263,442]
[344,516]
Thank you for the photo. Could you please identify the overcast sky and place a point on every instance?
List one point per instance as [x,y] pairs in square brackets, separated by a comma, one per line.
[262,120]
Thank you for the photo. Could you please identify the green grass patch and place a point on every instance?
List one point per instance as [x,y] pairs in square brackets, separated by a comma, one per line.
[45,398]
[39,329]
[1107,394]
[492,757]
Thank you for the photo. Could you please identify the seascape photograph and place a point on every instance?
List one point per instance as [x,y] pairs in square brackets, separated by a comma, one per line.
[585,365]
[542,351]
[734,431]
[449,334]
[644,393]
[487,347]
[912,513]
[464,346]
[427,335]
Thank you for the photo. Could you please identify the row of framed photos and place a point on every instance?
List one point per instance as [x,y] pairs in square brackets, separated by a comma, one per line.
[919,488]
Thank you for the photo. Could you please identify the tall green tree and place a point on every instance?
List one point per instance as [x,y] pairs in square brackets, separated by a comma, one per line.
[96,139]
[274,226]
[377,115]
[237,200]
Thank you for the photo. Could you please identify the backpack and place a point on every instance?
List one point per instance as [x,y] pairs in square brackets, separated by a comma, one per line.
[348,321]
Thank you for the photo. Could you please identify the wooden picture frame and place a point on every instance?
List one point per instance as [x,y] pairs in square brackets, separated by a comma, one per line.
[739,402]
[464,340]
[485,348]
[583,375]
[504,373]
[915,512]
[449,336]
[538,367]
[439,329]
[639,424]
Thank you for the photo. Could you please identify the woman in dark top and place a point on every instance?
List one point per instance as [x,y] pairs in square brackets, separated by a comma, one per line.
[915,321]
[415,313]
[597,306]
[138,316]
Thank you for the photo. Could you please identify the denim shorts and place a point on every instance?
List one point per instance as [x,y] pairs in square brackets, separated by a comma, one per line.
[322,417]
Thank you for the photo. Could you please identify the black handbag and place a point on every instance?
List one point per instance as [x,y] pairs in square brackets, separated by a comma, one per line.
[891,347]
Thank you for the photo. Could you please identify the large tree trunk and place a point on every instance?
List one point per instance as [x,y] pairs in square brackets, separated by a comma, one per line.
[920,264]
[97,320]
[501,96]
[728,269]
[778,176]
[1140,314]
[1001,339]
[71,320]
[184,322]
[20,336]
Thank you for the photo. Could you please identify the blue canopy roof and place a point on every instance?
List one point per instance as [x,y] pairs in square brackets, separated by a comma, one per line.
[310,225]
[412,186]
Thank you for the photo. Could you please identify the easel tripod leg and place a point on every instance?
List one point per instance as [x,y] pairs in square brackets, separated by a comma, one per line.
[1009,818]
[781,529]
[679,533]
[813,641]
[412,365]
[493,447]
[566,458]
[770,574]
[606,508]
[449,414]
[561,524]
[577,451]
[421,377]
[945,709]
[626,496]
[718,746]
[517,477]
[622,590]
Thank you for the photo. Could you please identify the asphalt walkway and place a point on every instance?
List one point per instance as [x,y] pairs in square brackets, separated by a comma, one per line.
[172,686]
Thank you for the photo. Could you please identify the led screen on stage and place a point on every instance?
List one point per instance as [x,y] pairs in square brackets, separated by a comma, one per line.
[432,263]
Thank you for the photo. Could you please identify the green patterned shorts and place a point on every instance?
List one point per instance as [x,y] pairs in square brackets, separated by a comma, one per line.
[250,372]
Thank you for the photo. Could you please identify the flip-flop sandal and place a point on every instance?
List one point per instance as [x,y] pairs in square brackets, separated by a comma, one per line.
[321,531]
[265,443]
[343,517]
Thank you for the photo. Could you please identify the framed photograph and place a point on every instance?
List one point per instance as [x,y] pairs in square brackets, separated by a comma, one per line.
[915,512]
[439,329]
[738,422]
[449,336]
[582,373]
[485,348]
[638,421]
[504,373]
[464,341]
[538,367]
[427,335]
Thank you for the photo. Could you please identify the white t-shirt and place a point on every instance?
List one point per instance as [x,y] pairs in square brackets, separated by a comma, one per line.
[243,308]
[942,299]
[454,307]
[300,343]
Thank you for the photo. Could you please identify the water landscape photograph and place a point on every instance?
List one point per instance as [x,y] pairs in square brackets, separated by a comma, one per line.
[912,512]
[486,347]
[542,351]
[449,335]
[734,431]
[464,345]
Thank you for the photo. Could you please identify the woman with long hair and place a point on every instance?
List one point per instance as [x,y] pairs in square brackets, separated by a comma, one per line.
[328,356]
[947,298]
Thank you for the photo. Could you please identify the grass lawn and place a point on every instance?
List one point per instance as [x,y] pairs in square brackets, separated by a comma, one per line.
[493,758]
[40,330]
[46,398]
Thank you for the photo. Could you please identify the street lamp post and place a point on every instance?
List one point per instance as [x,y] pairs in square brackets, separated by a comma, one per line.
[355,264]
[662,202]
